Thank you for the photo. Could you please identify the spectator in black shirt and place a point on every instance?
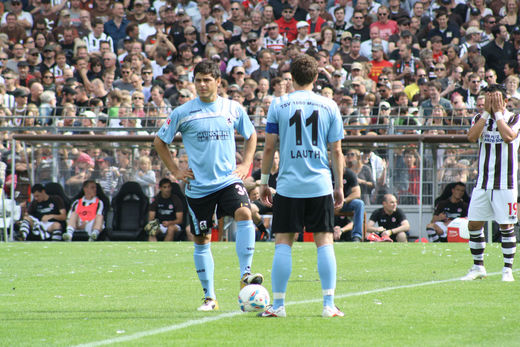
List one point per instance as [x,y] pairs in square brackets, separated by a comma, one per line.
[391,221]
[453,203]
[166,215]
[498,51]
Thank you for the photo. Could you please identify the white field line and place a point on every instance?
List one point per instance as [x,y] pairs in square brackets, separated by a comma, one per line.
[192,322]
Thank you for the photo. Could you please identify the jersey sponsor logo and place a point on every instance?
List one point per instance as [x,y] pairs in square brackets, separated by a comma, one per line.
[308,153]
[215,135]
[492,138]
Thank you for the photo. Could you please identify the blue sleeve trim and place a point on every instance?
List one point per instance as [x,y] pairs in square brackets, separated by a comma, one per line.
[271,128]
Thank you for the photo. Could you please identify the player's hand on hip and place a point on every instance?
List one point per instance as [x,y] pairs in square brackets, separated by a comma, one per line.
[185,175]
[241,171]
[265,195]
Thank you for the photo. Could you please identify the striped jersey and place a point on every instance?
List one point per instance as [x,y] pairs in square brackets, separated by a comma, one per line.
[208,134]
[305,123]
[276,44]
[498,160]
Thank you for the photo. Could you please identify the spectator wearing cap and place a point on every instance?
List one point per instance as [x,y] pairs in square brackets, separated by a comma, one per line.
[239,58]
[49,58]
[188,6]
[64,23]
[358,29]
[138,13]
[316,22]
[20,107]
[366,46]
[116,27]
[473,35]
[449,32]
[418,91]
[44,13]
[253,45]
[287,23]
[359,90]
[515,38]
[303,40]
[404,35]
[378,62]
[387,27]
[93,39]
[344,44]
[191,35]
[23,18]
[406,64]
[33,59]
[384,90]
[23,73]
[396,11]
[148,28]
[498,51]
[14,31]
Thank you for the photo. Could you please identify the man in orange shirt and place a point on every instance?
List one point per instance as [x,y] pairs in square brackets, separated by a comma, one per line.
[378,62]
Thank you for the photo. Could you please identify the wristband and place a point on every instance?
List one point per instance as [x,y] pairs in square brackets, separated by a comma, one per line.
[485,115]
[390,231]
[264,178]
[499,116]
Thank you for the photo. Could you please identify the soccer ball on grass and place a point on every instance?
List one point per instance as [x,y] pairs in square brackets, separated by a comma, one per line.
[253,297]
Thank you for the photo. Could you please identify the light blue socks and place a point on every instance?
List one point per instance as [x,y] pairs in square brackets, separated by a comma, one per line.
[245,245]
[327,271]
[282,266]
[205,269]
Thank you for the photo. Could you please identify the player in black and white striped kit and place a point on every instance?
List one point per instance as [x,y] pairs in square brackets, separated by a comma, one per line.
[495,194]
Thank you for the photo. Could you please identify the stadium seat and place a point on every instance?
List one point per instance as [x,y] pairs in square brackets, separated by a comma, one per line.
[81,235]
[53,188]
[10,212]
[130,207]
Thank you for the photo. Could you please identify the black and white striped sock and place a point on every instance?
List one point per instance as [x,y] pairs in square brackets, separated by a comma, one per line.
[477,245]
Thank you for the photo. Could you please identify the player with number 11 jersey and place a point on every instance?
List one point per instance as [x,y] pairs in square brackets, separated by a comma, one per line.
[307,122]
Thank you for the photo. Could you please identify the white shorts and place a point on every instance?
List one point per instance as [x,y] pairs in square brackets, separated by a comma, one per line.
[499,205]
[44,226]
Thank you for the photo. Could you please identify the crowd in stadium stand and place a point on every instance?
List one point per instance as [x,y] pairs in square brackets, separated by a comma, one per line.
[75,67]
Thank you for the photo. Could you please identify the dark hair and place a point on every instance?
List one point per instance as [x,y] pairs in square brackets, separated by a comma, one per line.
[304,69]
[165,180]
[87,182]
[496,88]
[37,188]
[207,67]
[446,193]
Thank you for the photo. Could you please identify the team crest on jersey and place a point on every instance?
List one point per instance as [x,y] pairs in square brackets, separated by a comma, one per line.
[203,225]
[393,219]
[168,121]
[170,206]
[229,120]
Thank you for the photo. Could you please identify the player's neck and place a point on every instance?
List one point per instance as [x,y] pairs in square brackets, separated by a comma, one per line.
[307,87]
[208,99]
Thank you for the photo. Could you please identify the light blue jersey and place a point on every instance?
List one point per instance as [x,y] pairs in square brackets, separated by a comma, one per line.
[306,123]
[208,135]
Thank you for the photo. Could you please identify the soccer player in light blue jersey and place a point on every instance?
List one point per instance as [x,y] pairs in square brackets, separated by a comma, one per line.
[207,125]
[305,124]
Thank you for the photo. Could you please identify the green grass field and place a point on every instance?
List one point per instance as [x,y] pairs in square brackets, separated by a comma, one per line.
[145,294]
